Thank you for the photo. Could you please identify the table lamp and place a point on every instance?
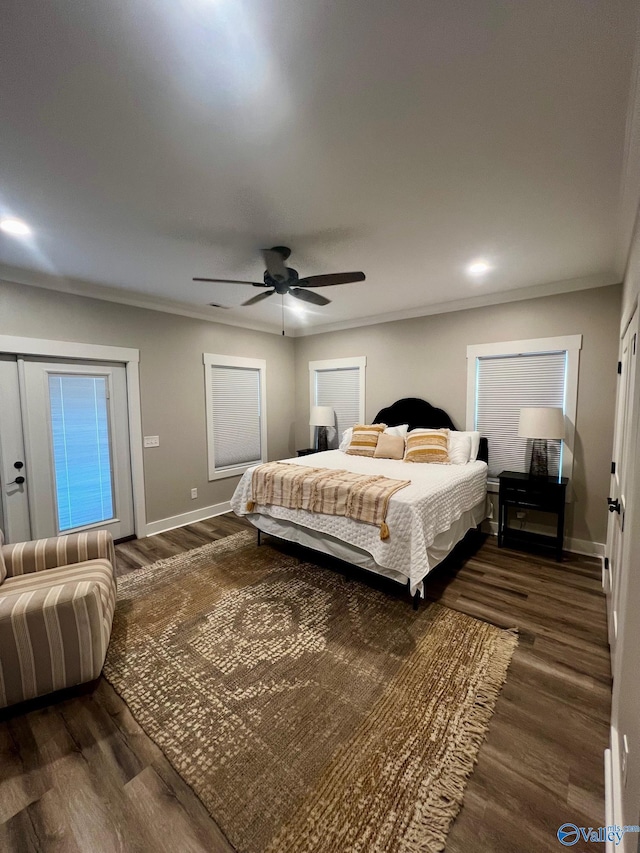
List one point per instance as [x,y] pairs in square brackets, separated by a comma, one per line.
[541,424]
[322,417]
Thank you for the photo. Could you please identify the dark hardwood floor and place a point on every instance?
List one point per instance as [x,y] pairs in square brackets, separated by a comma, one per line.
[78,774]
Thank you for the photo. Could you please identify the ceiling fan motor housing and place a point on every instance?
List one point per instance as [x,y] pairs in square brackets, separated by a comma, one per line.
[281,286]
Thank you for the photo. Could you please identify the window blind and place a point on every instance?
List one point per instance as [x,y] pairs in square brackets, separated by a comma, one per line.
[340,389]
[236,415]
[507,383]
[79,411]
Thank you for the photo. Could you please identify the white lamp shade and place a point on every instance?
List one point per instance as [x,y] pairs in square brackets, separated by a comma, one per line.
[541,422]
[322,416]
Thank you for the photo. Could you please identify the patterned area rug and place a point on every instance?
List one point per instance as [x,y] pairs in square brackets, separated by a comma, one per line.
[309,712]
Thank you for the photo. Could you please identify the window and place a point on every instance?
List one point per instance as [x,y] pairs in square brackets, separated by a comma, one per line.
[505,377]
[79,411]
[236,418]
[339,383]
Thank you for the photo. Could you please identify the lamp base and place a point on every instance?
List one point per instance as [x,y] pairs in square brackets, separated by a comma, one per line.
[323,443]
[539,466]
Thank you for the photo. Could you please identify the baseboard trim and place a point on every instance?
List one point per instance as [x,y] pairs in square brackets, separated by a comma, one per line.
[576,546]
[164,524]
[608,796]
[613,784]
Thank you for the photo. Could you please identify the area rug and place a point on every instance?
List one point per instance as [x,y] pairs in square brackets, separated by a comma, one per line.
[310,712]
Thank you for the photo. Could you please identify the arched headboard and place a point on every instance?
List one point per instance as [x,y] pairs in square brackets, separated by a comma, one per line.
[418,413]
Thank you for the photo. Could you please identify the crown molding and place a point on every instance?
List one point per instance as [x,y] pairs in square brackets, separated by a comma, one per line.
[522,293]
[78,287]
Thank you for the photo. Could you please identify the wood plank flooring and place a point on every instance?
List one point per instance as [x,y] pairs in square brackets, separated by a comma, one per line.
[78,774]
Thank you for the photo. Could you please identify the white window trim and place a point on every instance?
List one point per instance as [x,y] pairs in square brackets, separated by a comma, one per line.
[359,361]
[210,360]
[571,344]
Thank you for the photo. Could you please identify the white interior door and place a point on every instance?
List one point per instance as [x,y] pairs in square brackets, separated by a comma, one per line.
[76,428]
[14,498]
[619,476]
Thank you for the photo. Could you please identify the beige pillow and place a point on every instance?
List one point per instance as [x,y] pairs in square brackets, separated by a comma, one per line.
[365,438]
[389,447]
[428,446]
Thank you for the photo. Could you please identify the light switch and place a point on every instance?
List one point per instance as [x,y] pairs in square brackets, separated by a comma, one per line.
[152,441]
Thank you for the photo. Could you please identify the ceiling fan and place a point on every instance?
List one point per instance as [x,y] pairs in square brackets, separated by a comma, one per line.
[283,279]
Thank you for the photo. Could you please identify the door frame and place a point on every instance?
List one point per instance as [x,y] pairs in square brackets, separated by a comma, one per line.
[15,345]
[625,407]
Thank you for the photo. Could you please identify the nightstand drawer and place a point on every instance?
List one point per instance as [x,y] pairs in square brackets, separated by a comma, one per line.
[532,496]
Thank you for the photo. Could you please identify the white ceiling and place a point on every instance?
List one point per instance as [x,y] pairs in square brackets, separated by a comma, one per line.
[149,141]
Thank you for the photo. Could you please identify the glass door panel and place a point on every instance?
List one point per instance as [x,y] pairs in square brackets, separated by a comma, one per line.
[81,443]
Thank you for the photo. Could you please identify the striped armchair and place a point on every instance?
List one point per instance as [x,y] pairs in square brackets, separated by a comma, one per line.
[57,598]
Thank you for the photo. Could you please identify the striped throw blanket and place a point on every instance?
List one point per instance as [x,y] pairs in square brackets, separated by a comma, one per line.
[363,497]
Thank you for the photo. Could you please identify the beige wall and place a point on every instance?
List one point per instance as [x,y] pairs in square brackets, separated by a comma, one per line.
[171,381]
[427,357]
[423,357]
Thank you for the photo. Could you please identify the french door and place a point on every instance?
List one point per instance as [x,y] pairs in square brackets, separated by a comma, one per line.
[622,451]
[67,423]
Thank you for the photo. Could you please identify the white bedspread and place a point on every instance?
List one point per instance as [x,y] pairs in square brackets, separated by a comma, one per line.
[437,497]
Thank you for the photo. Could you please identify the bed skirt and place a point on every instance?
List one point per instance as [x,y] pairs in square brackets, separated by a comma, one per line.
[440,548]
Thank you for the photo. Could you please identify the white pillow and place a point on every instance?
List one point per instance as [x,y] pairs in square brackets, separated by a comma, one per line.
[459,447]
[345,441]
[475,444]
[401,430]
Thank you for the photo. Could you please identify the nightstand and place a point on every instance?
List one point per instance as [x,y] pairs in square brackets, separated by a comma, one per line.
[307,451]
[523,492]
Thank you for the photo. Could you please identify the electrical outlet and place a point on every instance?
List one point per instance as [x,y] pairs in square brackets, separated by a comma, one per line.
[194,493]
[152,441]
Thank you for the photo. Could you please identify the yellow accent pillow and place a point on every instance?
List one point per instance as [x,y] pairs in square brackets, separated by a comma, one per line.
[428,446]
[389,447]
[365,439]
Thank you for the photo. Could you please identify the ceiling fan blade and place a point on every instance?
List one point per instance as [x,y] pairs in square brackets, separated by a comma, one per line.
[331,278]
[275,265]
[258,298]
[230,281]
[309,296]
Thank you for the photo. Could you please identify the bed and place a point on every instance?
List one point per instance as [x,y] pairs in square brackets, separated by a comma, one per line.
[426,519]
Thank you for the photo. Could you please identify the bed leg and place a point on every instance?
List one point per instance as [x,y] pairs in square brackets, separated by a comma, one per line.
[259,532]
[416,600]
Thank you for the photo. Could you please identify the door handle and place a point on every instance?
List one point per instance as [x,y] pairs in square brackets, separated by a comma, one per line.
[18,480]
[614,505]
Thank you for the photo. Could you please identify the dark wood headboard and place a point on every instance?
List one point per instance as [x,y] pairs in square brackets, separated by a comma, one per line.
[418,413]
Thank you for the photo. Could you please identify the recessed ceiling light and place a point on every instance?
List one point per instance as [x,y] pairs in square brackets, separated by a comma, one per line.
[15,227]
[478,268]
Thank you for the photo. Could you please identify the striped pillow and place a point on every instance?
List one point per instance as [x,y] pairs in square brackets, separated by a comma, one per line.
[3,567]
[428,446]
[364,439]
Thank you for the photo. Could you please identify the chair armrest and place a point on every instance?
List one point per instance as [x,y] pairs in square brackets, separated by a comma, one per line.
[25,557]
